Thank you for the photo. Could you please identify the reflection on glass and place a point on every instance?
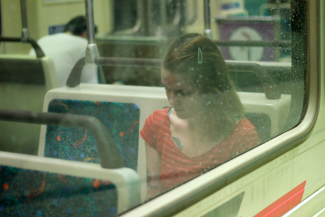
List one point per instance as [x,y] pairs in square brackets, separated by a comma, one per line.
[205,124]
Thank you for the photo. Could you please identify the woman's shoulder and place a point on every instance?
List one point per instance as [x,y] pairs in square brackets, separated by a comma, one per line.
[245,125]
[244,128]
[244,137]
[155,125]
[160,113]
[158,117]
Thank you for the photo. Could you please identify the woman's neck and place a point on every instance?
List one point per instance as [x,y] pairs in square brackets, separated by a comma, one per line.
[201,129]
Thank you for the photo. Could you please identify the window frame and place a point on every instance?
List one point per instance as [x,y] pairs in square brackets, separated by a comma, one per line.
[193,191]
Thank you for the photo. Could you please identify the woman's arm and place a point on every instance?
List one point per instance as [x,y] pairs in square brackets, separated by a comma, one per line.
[154,185]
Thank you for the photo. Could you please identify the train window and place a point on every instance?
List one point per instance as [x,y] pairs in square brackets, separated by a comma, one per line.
[273,44]
[187,85]
[265,58]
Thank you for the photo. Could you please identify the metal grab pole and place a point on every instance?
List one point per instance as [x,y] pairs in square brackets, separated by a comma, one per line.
[90,21]
[91,50]
[263,73]
[207,20]
[24,31]
[194,18]
[37,48]
[163,15]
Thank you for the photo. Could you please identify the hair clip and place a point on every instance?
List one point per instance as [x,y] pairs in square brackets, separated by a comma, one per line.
[199,56]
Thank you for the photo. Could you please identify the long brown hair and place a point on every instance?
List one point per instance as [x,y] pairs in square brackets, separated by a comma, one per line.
[199,58]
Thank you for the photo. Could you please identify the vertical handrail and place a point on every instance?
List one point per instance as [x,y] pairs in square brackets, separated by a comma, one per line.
[90,21]
[140,18]
[177,18]
[138,27]
[194,18]
[207,20]
[24,31]
[163,15]
[91,50]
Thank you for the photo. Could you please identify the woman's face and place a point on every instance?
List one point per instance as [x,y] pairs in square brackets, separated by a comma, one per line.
[182,94]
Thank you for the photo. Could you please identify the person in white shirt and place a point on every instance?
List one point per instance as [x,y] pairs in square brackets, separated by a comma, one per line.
[65,49]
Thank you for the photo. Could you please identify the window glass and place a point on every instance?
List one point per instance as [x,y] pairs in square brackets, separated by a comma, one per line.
[186,86]
[262,48]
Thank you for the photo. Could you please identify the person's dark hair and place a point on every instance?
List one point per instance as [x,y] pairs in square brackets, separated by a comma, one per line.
[199,58]
[77,25]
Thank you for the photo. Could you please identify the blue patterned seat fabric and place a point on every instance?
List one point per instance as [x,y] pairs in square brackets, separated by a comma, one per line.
[121,119]
[36,193]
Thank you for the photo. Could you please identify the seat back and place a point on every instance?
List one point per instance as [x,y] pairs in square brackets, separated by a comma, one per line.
[38,186]
[24,81]
[269,116]
[121,119]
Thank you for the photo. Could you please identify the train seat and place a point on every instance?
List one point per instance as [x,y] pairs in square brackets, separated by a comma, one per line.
[269,116]
[123,110]
[39,186]
[24,81]
[122,120]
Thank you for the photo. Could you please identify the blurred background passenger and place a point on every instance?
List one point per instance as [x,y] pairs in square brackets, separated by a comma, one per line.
[65,49]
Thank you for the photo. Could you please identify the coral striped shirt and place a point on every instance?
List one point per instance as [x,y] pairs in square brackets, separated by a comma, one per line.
[176,167]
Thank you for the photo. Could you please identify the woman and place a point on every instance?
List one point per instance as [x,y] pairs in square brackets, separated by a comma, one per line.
[205,124]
